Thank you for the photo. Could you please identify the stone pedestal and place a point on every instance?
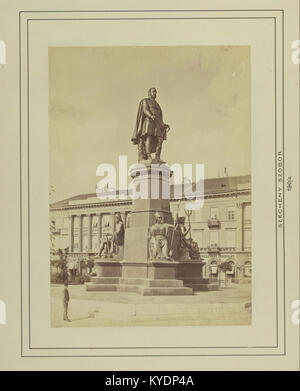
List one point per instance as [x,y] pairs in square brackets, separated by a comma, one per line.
[154,178]
[136,272]
[191,273]
[108,273]
[151,278]
[151,269]
[145,278]
[139,273]
[108,268]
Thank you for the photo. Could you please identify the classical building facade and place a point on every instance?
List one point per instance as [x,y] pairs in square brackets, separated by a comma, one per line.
[222,228]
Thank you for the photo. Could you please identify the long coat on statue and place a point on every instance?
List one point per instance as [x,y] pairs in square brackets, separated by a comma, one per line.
[146,126]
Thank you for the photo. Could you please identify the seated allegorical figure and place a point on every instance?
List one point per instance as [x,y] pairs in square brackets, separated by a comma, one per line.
[185,248]
[110,243]
[106,246]
[158,238]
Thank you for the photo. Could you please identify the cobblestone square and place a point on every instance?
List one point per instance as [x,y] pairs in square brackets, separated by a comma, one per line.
[228,306]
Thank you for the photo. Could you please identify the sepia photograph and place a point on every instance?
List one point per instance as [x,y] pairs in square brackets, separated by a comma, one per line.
[150,186]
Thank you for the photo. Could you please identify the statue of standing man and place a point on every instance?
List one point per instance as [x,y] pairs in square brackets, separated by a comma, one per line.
[150,130]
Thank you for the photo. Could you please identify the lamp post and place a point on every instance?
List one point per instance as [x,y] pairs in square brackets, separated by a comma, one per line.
[188,212]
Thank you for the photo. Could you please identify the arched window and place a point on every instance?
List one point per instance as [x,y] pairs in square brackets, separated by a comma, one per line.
[214,267]
[231,272]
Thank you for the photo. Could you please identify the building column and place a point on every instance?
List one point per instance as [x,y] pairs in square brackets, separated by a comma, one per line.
[239,227]
[90,218]
[237,272]
[80,233]
[71,233]
[113,220]
[127,218]
[99,228]
[123,215]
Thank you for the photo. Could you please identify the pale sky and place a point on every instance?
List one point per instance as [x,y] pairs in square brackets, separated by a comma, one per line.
[204,93]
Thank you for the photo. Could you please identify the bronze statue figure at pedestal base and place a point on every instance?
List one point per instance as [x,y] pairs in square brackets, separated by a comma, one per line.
[158,239]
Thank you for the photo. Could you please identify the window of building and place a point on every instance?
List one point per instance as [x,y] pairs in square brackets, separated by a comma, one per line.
[214,213]
[107,224]
[76,241]
[214,238]
[76,222]
[85,221]
[230,237]
[232,270]
[95,221]
[230,212]
[247,212]
[85,243]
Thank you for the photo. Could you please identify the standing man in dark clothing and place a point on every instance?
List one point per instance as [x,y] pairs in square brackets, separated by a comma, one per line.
[66,298]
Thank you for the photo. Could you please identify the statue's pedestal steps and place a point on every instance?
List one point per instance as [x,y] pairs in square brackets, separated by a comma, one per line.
[198,284]
[145,287]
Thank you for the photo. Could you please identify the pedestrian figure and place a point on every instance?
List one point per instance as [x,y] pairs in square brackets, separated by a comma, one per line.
[66,298]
